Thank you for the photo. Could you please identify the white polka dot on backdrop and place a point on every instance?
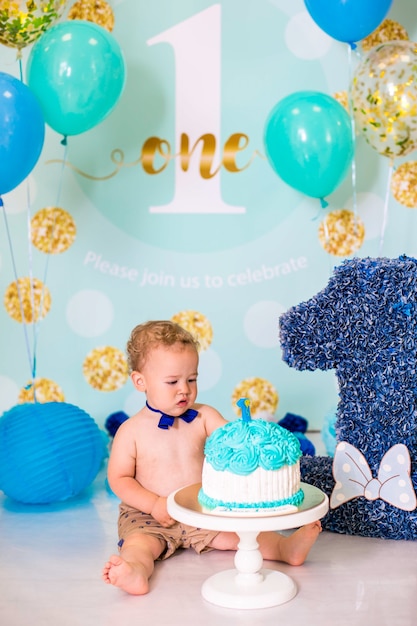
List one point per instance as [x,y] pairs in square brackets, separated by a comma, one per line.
[261,323]
[90,313]
[134,402]
[305,39]
[210,369]
[17,200]
[370,209]
[8,393]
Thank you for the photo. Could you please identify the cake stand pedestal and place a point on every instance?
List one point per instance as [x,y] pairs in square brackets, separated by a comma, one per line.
[249,585]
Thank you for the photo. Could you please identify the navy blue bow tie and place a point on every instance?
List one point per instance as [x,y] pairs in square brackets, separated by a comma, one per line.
[167,420]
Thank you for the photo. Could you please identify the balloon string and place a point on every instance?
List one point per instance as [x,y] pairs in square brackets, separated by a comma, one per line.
[353,135]
[35,328]
[19,58]
[51,242]
[57,203]
[35,325]
[19,295]
[61,177]
[31,276]
[386,203]
[323,206]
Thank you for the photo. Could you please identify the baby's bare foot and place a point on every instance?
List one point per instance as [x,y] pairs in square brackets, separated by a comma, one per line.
[298,545]
[122,574]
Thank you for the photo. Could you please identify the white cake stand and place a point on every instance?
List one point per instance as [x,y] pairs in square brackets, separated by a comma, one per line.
[249,586]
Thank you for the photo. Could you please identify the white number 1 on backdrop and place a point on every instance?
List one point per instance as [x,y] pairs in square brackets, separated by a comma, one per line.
[197,48]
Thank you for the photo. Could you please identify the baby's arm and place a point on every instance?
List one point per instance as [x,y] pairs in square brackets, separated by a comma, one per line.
[212,418]
[121,476]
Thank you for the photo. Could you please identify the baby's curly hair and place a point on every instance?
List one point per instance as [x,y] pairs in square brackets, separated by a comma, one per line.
[153,334]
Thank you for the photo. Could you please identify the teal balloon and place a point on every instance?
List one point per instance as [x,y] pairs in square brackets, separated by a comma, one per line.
[22,132]
[77,71]
[308,142]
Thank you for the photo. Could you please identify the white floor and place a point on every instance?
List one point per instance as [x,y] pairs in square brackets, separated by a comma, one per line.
[51,559]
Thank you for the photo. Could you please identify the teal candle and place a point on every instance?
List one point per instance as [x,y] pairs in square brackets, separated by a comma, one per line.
[244,404]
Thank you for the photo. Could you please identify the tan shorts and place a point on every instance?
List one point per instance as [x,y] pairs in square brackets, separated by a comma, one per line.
[177,536]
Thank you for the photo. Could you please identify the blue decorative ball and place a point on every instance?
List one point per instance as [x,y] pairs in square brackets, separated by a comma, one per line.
[48,452]
[114,421]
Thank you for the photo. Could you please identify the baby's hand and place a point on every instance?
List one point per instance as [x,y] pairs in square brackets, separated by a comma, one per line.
[160,513]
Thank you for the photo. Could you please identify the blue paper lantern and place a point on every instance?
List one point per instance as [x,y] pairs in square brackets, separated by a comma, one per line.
[48,452]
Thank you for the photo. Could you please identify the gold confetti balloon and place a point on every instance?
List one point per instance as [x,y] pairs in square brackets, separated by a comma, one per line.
[41,390]
[22,23]
[404,184]
[384,95]
[105,368]
[262,395]
[197,324]
[389,30]
[341,233]
[342,98]
[52,230]
[27,300]
[97,11]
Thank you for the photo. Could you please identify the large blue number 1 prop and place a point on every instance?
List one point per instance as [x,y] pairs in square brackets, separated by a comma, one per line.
[364,325]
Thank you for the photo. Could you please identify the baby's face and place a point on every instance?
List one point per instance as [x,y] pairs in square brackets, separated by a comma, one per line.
[170,378]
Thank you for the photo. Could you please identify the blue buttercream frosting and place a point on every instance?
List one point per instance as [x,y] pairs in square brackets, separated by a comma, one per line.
[212,503]
[244,445]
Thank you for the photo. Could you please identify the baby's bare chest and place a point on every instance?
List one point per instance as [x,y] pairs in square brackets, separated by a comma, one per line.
[169,457]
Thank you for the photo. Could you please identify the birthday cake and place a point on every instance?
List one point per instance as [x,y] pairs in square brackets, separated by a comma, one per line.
[249,465]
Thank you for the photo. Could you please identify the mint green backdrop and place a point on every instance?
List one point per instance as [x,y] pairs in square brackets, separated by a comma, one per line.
[239,247]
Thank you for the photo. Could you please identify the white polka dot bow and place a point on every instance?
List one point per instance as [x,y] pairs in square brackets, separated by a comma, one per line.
[354,478]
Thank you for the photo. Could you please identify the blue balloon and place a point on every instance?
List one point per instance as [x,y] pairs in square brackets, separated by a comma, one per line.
[348,20]
[22,132]
[77,71]
[308,142]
